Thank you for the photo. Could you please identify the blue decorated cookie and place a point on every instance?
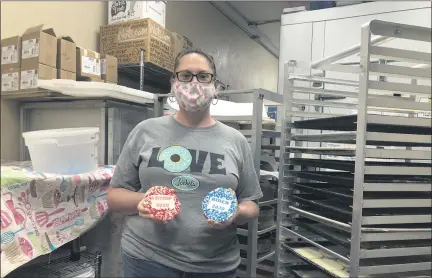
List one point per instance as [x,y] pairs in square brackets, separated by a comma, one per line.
[220,204]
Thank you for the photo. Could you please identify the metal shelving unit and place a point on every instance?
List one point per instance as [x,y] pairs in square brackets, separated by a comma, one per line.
[354,191]
[255,263]
[146,75]
[87,265]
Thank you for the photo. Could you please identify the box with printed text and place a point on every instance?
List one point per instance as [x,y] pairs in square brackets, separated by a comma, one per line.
[10,79]
[30,75]
[10,63]
[11,52]
[87,64]
[121,11]
[38,46]
[125,41]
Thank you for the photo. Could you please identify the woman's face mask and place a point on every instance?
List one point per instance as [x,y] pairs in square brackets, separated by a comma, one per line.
[193,96]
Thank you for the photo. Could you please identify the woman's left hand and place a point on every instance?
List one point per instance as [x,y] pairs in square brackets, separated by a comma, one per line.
[225,224]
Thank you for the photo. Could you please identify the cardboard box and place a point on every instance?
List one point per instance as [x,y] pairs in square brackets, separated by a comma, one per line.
[11,52]
[66,54]
[87,63]
[30,75]
[109,68]
[115,83]
[180,44]
[10,78]
[38,47]
[62,74]
[121,11]
[125,41]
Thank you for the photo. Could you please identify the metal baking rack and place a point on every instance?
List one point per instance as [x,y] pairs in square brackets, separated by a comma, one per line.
[260,138]
[355,173]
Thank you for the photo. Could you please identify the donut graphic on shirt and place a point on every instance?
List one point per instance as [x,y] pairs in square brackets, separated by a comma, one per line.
[176,159]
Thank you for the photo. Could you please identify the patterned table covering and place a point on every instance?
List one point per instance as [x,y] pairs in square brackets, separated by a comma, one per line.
[41,212]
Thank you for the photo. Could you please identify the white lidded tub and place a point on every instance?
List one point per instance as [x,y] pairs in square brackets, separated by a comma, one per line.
[65,151]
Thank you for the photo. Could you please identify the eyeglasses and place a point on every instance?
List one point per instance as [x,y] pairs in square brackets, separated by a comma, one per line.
[187,76]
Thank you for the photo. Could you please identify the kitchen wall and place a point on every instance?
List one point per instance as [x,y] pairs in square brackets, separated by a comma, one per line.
[241,62]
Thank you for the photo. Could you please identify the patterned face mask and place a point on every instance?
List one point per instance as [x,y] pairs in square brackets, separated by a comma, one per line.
[193,96]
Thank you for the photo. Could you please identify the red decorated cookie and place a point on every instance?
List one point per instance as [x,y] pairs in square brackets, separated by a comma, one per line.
[162,202]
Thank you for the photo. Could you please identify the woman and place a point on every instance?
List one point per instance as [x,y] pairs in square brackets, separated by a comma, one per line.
[212,155]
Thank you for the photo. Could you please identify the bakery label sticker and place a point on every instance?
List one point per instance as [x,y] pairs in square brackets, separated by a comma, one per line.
[28,79]
[162,202]
[30,48]
[90,65]
[9,55]
[185,183]
[9,82]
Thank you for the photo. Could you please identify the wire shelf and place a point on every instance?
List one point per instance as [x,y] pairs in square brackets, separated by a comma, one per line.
[154,76]
[63,267]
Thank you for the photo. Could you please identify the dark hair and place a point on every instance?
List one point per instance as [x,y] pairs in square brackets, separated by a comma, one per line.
[208,57]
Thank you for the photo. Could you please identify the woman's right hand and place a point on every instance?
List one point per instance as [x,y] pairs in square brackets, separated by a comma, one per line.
[142,211]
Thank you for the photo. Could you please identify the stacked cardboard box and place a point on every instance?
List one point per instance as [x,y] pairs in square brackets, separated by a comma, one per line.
[10,63]
[109,68]
[180,44]
[38,56]
[88,65]
[125,41]
[121,11]
[66,58]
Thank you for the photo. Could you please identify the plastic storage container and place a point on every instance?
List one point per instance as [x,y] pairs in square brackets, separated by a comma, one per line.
[66,151]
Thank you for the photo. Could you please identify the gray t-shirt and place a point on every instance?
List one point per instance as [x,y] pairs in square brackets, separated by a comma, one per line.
[193,161]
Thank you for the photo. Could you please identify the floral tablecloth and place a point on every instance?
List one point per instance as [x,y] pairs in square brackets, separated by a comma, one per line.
[40,212]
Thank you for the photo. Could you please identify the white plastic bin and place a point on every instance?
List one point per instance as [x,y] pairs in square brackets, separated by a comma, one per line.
[66,151]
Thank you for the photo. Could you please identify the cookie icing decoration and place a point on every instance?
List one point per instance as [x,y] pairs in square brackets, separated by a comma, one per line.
[220,204]
[162,202]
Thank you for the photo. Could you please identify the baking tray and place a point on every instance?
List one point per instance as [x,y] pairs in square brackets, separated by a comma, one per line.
[290,247]
[375,201]
[373,138]
[299,271]
[343,238]
[324,204]
[370,152]
[348,166]
[337,151]
[343,223]
[347,179]
[349,123]
[325,189]
[335,236]
[329,209]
